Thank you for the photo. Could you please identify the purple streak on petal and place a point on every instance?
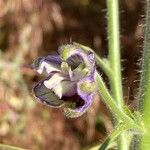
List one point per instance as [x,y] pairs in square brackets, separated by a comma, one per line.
[54,59]
[47,64]
[46,96]
[89,100]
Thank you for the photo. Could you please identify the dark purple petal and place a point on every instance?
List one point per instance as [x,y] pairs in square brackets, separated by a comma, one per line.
[46,96]
[54,59]
[48,64]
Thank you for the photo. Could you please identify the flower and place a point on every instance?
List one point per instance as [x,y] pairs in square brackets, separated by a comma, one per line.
[69,81]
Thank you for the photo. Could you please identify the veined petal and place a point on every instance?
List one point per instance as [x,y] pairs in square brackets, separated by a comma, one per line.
[48,64]
[46,96]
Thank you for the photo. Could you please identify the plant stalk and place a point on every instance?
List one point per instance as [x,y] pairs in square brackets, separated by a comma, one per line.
[115,63]
[144,93]
[111,104]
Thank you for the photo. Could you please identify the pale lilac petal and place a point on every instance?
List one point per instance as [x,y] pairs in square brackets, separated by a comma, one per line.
[46,96]
[46,65]
[54,80]
[65,88]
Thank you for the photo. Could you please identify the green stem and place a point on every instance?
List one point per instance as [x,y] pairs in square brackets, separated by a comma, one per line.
[114,50]
[109,101]
[144,93]
[114,60]
[8,147]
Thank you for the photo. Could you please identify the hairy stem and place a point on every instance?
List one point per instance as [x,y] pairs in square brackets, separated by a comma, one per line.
[111,104]
[114,60]
[144,93]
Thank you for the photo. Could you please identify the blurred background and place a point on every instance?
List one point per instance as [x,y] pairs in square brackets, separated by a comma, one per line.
[32,28]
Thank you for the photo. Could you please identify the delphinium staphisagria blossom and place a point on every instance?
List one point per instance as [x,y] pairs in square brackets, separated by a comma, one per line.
[69,81]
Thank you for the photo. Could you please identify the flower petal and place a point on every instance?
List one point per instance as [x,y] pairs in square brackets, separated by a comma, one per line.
[86,91]
[46,96]
[65,88]
[71,105]
[54,80]
[77,112]
[46,65]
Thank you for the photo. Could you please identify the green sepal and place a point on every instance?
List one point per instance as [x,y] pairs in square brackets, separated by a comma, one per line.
[64,67]
[65,53]
[88,87]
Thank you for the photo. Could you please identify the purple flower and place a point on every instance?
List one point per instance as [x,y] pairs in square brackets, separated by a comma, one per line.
[69,81]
